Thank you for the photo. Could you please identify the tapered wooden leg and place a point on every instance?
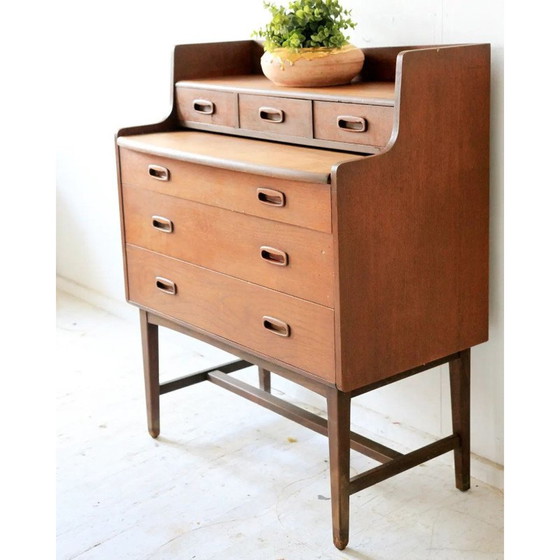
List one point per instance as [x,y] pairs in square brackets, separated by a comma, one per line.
[150,353]
[264,379]
[460,379]
[338,410]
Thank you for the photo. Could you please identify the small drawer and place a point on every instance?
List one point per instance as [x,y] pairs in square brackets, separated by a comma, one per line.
[286,258]
[276,115]
[304,204]
[353,122]
[285,328]
[206,106]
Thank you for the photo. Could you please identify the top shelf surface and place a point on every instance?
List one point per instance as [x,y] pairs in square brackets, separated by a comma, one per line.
[377,93]
[241,154]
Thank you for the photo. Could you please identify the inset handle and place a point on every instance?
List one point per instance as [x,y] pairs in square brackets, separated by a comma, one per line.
[271,197]
[158,172]
[162,224]
[351,123]
[276,326]
[274,256]
[203,106]
[166,286]
[271,114]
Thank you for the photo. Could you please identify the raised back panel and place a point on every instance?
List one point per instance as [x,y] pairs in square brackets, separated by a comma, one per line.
[213,59]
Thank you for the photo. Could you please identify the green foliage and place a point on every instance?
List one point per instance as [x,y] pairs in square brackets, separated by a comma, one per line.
[306,24]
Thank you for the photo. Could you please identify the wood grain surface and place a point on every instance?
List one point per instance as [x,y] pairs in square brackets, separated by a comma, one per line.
[224,106]
[234,309]
[411,224]
[241,154]
[378,127]
[382,93]
[231,242]
[305,204]
[296,115]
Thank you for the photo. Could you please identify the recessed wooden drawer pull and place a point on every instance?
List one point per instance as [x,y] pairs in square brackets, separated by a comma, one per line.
[276,326]
[158,172]
[162,224]
[271,114]
[351,124]
[203,106]
[166,286]
[271,197]
[274,256]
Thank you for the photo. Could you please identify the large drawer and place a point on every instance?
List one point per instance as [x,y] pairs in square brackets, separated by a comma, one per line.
[207,106]
[293,202]
[285,328]
[353,122]
[287,258]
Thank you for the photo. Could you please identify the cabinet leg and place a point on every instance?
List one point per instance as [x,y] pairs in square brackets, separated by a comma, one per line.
[150,354]
[264,379]
[338,411]
[460,377]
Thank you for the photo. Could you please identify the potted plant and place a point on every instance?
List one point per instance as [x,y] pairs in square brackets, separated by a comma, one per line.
[305,44]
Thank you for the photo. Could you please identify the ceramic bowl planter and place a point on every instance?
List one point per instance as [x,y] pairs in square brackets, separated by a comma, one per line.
[312,67]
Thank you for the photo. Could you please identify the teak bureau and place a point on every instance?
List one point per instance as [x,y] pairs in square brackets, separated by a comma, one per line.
[335,236]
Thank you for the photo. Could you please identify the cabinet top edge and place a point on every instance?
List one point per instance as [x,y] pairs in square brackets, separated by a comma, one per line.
[297,163]
[375,93]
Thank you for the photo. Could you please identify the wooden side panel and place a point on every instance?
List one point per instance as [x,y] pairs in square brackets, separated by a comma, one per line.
[201,61]
[412,224]
[235,310]
[380,63]
[121,216]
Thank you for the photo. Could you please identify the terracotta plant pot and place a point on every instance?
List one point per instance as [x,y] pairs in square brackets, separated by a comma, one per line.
[312,67]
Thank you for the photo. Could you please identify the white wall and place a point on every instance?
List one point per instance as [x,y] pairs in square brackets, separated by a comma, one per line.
[114,64]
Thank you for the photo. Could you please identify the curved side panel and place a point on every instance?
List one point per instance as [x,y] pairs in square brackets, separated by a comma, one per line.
[412,223]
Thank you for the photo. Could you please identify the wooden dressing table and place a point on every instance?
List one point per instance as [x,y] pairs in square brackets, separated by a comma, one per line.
[334,236]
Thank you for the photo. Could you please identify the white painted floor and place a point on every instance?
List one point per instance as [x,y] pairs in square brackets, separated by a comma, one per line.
[226,479]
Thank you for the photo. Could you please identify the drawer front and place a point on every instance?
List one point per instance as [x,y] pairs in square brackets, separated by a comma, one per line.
[352,122]
[304,204]
[286,258]
[283,327]
[276,115]
[207,106]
